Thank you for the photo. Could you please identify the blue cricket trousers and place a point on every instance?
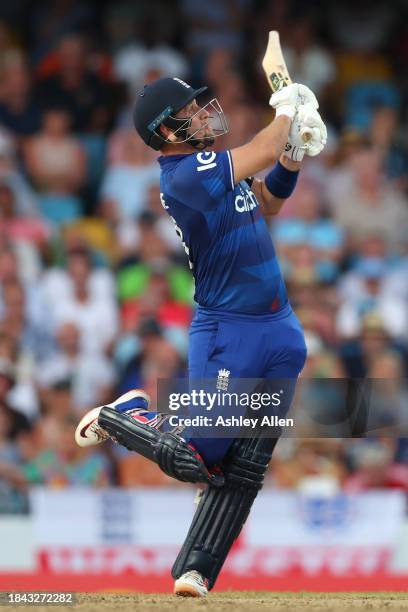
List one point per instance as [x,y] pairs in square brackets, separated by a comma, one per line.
[267,346]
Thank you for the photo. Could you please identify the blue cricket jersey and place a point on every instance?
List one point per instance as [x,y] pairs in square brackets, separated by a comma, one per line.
[224,234]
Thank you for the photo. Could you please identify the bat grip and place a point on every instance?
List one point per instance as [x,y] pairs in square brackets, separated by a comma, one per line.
[306,134]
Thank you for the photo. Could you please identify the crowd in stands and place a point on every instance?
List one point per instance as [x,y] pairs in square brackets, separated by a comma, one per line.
[95,292]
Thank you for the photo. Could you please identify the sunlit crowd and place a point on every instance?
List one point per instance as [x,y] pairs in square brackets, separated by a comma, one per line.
[96,296]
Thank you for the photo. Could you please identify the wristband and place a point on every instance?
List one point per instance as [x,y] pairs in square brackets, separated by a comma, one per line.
[280,181]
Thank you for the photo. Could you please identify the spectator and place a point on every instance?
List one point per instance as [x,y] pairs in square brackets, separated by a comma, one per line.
[369,204]
[364,73]
[76,87]
[10,174]
[90,375]
[8,41]
[156,358]
[52,20]
[310,227]
[308,458]
[136,471]
[134,60]
[306,60]
[54,158]
[213,24]
[369,260]
[126,183]
[157,302]
[368,298]
[336,177]
[60,463]
[232,93]
[386,140]
[19,110]
[246,123]
[57,282]
[71,327]
[387,411]
[144,243]
[56,163]
[18,227]
[220,62]
[315,304]
[396,282]
[373,340]
[24,318]
[321,361]
[376,469]
[13,486]
[83,297]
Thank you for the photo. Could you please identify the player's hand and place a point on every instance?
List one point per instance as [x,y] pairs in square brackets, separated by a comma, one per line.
[310,118]
[286,100]
[307,118]
[306,96]
[289,98]
[293,152]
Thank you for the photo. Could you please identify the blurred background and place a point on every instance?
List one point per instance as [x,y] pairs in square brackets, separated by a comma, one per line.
[95,294]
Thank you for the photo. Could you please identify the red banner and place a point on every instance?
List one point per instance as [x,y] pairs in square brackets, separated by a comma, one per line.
[142,569]
[243,561]
[132,582]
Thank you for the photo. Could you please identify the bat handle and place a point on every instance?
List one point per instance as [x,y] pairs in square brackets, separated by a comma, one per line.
[306,134]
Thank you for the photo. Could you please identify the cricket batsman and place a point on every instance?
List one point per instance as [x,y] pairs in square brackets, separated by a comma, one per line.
[244,323]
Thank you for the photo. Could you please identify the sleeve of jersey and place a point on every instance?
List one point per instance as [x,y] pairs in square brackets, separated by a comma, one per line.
[203,177]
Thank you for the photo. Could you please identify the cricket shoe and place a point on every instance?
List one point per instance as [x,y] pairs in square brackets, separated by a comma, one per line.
[191,584]
[134,403]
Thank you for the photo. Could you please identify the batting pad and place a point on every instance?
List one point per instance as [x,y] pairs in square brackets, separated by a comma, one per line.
[222,512]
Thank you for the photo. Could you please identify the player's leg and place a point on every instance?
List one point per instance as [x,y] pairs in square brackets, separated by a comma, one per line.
[213,347]
[222,513]
[286,347]
[192,457]
[175,456]
[270,350]
[286,358]
[235,345]
[135,403]
[218,345]
[128,421]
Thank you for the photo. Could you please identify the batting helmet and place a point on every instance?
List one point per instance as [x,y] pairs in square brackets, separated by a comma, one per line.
[158,104]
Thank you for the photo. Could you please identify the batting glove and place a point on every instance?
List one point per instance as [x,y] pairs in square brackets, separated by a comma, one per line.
[307,119]
[306,96]
[288,98]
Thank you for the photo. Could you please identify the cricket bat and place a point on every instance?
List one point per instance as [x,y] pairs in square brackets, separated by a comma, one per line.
[276,72]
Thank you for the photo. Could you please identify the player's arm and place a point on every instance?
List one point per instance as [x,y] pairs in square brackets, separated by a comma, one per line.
[280,182]
[267,146]
[262,151]
[271,204]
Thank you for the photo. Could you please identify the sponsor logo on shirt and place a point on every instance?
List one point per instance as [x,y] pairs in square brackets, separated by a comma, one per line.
[245,201]
[206,160]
